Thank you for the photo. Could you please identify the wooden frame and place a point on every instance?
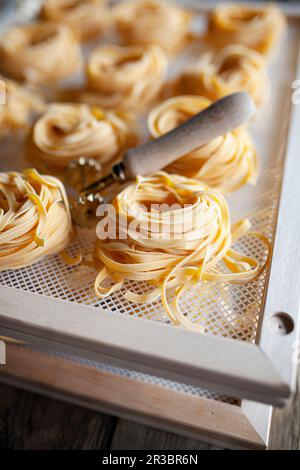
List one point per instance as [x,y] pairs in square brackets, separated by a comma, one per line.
[96,334]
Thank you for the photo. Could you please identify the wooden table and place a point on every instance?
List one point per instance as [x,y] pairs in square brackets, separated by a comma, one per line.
[30,421]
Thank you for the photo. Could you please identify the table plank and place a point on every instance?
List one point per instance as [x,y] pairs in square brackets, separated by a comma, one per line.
[285,428]
[31,421]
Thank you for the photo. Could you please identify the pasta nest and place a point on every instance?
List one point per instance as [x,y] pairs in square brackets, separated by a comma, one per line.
[127,77]
[257,28]
[234,68]
[88,19]
[226,163]
[40,52]
[153,22]
[68,131]
[171,249]
[19,106]
[35,219]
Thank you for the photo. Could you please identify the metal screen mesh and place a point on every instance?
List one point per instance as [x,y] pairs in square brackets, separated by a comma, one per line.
[227,310]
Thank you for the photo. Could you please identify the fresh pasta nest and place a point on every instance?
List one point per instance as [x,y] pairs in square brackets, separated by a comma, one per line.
[127,77]
[35,219]
[226,163]
[88,19]
[40,52]
[234,68]
[171,232]
[19,107]
[69,131]
[257,28]
[153,22]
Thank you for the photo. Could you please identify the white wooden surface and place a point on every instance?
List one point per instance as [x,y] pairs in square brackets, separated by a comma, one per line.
[164,351]
[104,336]
[189,415]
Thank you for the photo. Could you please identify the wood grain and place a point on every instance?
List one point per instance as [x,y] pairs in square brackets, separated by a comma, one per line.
[31,421]
[28,421]
[221,117]
[191,415]
[285,427]
[135,436]
[280,328]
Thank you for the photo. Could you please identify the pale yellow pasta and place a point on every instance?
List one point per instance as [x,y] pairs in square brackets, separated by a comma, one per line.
[226,163]
[35,219]
[18,108]
[234,68]
[40,52]
[88,19]
[127,77]
[69,131]
[153,22]
[171,248]
[259,28]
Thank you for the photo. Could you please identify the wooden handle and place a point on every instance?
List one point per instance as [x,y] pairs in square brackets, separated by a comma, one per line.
[222,116]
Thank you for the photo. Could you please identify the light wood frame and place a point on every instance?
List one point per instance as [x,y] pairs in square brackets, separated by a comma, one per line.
[197,417]
[99,335]
[263,372]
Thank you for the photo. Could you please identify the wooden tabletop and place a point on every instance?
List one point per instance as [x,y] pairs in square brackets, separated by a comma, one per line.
[30,421]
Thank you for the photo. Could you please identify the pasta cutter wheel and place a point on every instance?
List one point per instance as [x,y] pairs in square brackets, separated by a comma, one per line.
[83,175]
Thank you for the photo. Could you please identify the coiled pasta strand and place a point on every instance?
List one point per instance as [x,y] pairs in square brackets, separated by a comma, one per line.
[35,219]
[68,131]
[40,52]
[171,248]
[226,163]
